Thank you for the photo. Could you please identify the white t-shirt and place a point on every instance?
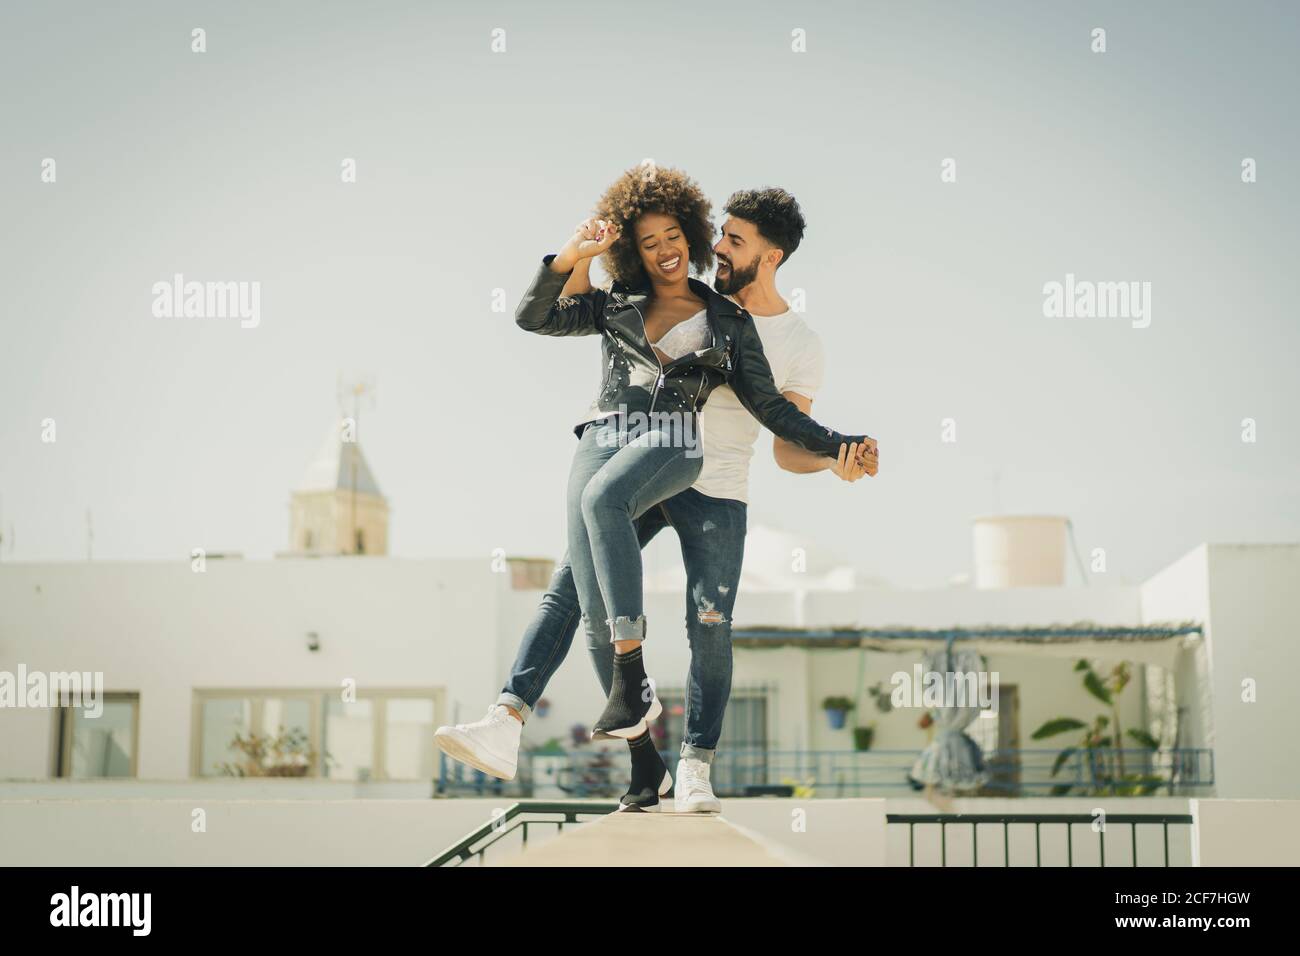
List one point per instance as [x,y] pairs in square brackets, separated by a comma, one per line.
[727,429]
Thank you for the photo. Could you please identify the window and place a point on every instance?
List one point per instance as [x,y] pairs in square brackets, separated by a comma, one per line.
[349,739]
[223,720]
[382,735]
[408,744]
[742,744]
[998,737]
[99,743]
[744,725]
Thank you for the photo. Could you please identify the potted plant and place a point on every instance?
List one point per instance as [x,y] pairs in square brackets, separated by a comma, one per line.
[1101,751]
[882,696]
[284,754]
[543,706]
[837,708]
[862,737]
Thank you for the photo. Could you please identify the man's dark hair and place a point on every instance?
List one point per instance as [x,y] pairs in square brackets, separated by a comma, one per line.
[774,212]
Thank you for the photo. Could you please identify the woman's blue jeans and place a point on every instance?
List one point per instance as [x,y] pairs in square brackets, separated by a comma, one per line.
[617,475]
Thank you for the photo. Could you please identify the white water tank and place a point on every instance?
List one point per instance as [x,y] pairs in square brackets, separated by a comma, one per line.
[1020,551]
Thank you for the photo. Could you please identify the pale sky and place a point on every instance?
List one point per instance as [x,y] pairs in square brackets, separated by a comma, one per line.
[225,166]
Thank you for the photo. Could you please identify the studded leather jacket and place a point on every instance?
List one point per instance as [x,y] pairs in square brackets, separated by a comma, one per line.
[636,381]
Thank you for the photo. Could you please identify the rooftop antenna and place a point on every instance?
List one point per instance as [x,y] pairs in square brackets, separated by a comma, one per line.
[354,392]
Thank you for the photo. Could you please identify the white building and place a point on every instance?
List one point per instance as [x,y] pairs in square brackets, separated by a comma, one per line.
[362,656]
[189,656]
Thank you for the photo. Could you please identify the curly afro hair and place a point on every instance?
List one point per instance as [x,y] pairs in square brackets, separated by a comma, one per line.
[649,188]
[774,212]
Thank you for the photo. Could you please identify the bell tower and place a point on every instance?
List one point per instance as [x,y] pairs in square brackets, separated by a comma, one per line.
[337,507]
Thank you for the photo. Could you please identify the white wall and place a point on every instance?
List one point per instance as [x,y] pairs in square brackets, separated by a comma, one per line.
[162,630]
[1246,832]
[957,607]
[1252,638]
[407,832]
[1246,596]
[1181,592]
[140,832]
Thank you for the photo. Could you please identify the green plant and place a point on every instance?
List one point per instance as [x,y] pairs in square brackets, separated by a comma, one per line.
[552,748]
[882,696]
[838,703]
[862,737]
[1104,757]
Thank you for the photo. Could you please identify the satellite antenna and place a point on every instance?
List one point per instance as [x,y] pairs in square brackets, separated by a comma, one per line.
[353,392]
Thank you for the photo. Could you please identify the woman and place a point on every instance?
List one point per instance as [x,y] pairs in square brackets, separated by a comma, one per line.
[668,341]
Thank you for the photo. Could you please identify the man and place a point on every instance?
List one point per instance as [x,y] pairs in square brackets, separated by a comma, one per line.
[763,229]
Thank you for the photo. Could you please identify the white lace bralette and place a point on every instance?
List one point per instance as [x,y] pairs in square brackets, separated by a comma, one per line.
[690,335]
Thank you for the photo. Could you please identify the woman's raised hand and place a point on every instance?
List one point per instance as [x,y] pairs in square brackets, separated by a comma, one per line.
[590,238]
[593,236]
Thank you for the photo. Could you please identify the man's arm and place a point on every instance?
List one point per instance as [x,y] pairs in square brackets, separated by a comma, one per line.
[852,464]
[750,378]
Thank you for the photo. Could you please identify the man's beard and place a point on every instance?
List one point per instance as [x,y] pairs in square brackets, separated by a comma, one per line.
[737,279]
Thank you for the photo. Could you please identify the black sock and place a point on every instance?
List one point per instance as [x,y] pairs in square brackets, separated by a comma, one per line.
[627,701]
[648,768]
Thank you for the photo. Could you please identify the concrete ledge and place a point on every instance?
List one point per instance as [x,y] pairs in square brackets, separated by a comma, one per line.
[408,832]
[1245,832]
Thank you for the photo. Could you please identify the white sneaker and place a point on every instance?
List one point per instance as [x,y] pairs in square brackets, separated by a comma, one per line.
[694,792]
[490,744]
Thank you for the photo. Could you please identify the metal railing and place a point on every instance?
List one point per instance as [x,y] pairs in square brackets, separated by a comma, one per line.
[592,773]
[1069,820]
[533,813]
[1011,773]
[518,816]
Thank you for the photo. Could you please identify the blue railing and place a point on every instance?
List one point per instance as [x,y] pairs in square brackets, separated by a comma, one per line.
[604,773]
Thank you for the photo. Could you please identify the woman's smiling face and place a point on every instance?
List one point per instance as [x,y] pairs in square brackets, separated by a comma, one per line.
[662,247]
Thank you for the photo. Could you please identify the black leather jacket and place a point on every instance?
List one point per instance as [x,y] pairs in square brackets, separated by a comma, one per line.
[636,381]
